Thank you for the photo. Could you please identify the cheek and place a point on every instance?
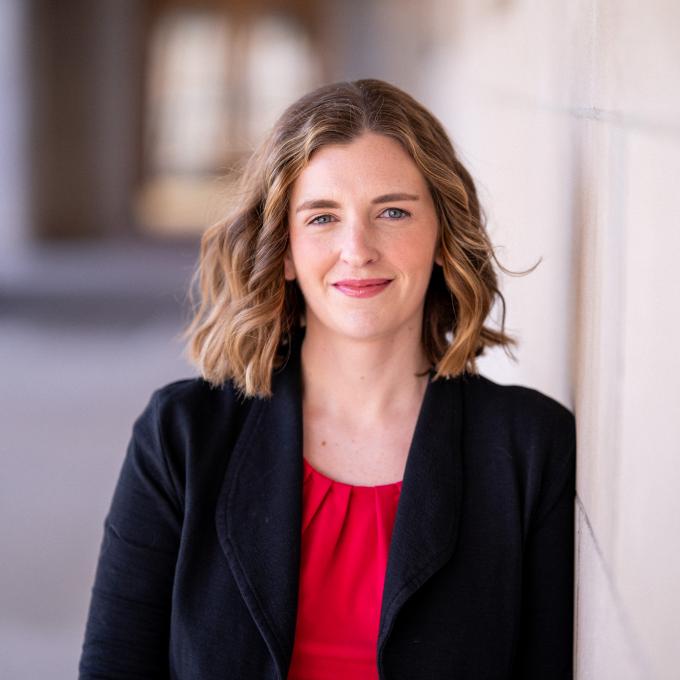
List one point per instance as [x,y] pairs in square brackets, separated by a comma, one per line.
[310,256]
[416,253]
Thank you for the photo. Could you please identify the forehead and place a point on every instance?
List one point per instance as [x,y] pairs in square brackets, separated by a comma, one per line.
[371,162]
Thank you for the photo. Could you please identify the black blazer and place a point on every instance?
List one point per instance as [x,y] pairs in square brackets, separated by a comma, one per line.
[198,569]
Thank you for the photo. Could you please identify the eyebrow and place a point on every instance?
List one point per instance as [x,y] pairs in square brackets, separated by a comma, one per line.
[327,203]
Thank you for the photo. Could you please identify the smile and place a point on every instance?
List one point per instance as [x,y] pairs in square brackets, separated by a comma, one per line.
[362,287]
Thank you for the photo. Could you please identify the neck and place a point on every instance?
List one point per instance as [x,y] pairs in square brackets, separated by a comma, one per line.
[363,381]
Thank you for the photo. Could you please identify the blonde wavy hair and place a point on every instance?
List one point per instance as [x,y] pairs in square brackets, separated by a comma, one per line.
[246,311]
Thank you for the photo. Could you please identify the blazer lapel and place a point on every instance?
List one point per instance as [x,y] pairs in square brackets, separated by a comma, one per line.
[260,509]
[428,513]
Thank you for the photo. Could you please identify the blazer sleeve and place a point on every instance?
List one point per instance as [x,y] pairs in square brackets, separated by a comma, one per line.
[127,631]
[546,644]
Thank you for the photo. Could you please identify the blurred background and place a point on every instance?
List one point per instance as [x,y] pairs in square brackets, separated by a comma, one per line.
[122,124]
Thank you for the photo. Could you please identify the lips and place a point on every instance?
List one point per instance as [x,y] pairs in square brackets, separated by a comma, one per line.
[362,287]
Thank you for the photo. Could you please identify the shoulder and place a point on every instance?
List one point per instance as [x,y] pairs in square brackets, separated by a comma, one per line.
[529,428]
[186,432]
[523,410]
[191,393]
[537,432]
[190,409]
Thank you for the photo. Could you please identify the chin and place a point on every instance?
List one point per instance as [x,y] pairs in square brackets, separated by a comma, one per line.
[359,325]
[364,330]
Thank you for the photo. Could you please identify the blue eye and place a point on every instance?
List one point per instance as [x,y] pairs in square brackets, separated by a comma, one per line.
[326,219]
[396,213]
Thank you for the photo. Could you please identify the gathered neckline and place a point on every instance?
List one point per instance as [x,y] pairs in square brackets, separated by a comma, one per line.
[358,487]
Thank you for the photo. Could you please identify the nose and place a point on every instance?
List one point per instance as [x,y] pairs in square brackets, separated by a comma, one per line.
[358,247]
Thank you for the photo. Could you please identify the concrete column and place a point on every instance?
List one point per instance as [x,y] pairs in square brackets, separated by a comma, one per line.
[14,179]
[87,61]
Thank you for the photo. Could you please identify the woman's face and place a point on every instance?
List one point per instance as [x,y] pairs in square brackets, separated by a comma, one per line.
[362,237]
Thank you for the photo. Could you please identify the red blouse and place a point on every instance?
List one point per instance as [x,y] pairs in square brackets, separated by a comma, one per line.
[346,533]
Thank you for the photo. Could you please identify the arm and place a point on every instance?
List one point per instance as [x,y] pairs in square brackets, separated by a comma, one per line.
[128,622]
[546,643]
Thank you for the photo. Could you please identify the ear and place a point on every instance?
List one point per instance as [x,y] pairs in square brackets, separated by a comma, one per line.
[288,266]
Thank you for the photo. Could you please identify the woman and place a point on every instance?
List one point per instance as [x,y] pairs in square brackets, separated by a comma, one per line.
[341,494]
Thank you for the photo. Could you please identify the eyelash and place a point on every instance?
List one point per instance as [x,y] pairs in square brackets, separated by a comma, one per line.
[404,214]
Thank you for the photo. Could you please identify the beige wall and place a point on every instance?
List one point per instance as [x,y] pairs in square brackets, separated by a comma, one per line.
[569,116]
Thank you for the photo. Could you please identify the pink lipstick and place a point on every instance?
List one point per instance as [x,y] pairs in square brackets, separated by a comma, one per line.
[362,287]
